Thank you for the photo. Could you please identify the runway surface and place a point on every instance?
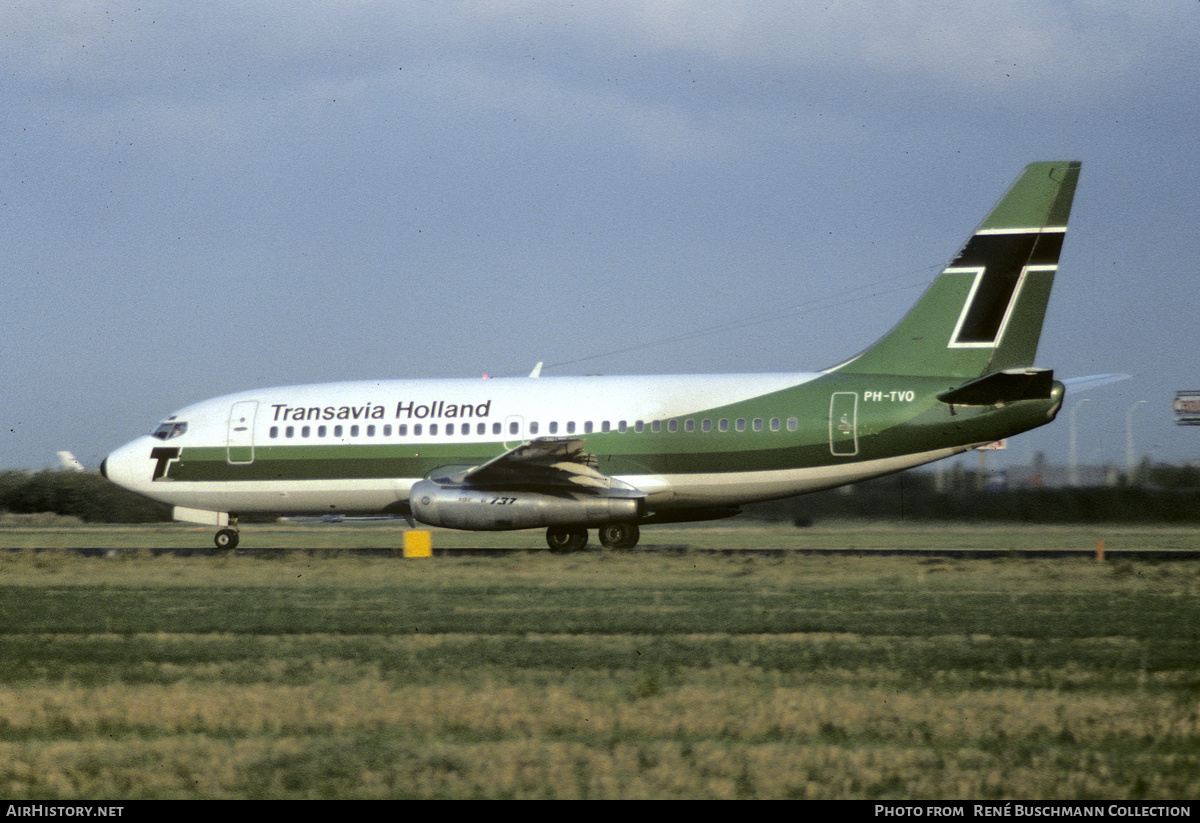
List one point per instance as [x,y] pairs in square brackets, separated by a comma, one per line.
[466,551]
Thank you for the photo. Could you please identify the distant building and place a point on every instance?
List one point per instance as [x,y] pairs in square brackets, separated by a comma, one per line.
[1187,408]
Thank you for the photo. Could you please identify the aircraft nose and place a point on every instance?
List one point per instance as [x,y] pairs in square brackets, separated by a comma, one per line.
[127,466]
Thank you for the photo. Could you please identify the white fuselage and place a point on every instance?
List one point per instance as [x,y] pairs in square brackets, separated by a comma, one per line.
[476,419]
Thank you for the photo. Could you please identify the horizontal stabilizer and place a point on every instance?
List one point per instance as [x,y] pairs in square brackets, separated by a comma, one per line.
[1002,387]
[1094,381]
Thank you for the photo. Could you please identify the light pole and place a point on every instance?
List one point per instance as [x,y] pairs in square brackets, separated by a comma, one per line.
[1074,477]
[1130,465]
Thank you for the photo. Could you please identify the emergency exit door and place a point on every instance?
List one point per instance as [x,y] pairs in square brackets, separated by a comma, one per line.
[843,424]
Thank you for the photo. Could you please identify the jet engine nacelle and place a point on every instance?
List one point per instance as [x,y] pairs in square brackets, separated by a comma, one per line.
[457,507]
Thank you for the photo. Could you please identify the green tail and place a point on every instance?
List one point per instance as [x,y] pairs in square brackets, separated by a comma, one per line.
[984,313]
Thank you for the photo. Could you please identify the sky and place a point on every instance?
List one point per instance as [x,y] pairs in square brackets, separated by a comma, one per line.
[201,198]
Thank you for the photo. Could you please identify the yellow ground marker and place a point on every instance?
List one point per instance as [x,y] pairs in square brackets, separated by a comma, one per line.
[418,543]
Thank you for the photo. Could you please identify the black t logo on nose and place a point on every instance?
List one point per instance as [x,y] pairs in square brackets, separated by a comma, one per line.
[163,456]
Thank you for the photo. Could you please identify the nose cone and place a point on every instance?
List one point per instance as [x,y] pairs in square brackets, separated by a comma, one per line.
[132,465]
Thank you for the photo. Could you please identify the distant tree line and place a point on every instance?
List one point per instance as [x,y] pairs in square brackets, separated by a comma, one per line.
[1164,494]
[85,495]
[1168,494]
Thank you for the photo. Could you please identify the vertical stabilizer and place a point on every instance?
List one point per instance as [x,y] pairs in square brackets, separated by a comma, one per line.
[984,312]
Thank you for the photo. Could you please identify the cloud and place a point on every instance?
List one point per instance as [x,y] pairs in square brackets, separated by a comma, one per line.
[958,45]
[1075,44]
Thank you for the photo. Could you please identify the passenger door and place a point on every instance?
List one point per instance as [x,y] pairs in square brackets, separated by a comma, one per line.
[240,442]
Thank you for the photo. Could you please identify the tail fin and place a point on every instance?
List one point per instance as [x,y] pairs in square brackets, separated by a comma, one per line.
[984,312]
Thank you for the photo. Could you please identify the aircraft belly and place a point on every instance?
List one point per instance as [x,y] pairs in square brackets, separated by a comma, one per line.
[287,496]
[725,488]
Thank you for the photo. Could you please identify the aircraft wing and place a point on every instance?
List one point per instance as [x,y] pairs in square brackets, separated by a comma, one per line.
[546,462]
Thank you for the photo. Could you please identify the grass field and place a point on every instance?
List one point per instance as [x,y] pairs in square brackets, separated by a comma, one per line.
[603,675]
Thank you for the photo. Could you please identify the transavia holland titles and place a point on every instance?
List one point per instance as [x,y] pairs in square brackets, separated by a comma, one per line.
[410,410]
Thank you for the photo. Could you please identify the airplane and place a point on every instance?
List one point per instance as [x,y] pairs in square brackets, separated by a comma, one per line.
[67,462]
[615,453]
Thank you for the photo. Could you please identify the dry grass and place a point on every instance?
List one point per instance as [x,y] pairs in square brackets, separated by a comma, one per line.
[722,734]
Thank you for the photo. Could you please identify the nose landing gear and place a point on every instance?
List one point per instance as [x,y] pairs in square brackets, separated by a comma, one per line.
[227,538]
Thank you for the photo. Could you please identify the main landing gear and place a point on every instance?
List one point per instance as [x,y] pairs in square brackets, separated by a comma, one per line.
[227,538]
[575,538]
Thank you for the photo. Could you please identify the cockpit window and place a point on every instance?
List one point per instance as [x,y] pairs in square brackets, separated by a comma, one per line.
[169,429]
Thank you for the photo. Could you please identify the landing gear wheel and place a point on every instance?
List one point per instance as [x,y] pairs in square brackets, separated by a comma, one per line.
[566,538]
[619,535]
[226,539]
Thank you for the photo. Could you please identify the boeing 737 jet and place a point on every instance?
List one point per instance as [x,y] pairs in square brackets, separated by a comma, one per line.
[614,453]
